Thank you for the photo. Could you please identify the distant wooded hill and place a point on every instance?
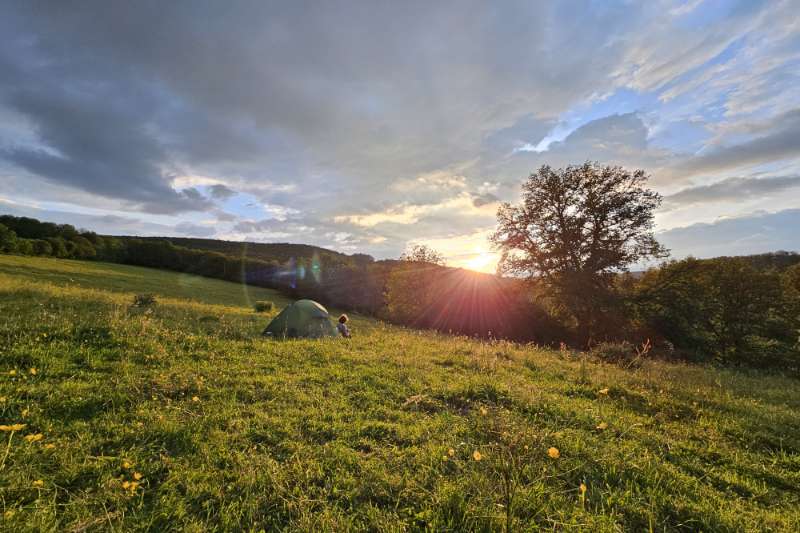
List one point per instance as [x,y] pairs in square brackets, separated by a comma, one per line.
[277,251]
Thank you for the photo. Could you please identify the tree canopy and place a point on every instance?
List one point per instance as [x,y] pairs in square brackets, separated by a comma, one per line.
[575,228]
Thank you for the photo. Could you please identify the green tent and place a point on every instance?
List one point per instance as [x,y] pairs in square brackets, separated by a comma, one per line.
[302,319]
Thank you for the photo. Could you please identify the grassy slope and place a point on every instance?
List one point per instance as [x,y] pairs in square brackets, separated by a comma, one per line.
[331,435]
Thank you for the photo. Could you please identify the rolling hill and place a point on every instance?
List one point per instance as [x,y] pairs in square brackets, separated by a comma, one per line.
[179,416]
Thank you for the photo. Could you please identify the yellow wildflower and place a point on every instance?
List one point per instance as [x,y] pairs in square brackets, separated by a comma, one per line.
[603,391]
[601,426]
[126,464]
[477,455]
[195,399]
[34,437]
[38,483]
[451,452]
[553,453]
[3,399]
[133,485]
[9,514]
[12,427]
[33,371]
[25,412]
[12,372]
[582,489]
[126,484]
[49,446]
[137,476]
[484,411]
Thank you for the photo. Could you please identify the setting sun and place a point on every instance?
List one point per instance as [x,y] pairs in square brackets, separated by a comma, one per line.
[482,262]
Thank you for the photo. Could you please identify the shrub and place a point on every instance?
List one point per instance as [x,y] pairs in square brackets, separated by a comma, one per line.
[262,306]
[613,352]
[144,300]
[622,353]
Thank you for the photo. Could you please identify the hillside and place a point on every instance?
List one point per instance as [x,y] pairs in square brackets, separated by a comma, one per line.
[277,251]
[181,417]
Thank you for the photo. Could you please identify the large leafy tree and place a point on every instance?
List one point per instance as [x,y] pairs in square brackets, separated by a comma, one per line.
[575,229]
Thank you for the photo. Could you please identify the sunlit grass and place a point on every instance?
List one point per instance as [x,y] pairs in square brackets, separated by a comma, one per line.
[178,416]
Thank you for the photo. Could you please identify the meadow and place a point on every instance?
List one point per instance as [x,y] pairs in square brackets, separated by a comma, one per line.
[180,417]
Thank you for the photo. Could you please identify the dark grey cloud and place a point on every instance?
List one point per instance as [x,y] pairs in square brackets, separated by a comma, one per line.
[781,140]
[221,192]
[615,139]
[104,224]
[750,234]
[479,200]
[732,189]
[273,91]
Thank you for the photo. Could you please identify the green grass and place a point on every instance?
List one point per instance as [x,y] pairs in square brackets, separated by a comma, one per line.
[232,432]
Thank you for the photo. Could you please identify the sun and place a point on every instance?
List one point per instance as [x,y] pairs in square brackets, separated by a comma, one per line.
[482,262]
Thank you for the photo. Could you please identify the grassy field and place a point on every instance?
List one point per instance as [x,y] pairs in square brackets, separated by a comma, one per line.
[180,417]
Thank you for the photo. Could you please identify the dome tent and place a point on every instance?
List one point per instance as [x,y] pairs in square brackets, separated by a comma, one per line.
[302,319]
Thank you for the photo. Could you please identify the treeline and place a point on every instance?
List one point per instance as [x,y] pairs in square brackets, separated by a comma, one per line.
[403,292]
[730,310]
[725,309]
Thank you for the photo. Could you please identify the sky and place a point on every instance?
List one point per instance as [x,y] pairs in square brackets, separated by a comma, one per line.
[372,126]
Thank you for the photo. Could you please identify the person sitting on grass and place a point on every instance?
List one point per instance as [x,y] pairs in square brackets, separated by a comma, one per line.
[342,327]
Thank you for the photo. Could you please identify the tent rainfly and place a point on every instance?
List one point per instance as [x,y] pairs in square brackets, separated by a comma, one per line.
[302,319]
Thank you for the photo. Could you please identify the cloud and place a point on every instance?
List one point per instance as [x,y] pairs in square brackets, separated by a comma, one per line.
[221,192]
[782,141]
[732,189]
[103,224]
[369,125]
[194,230]
[480,200]
[748,234]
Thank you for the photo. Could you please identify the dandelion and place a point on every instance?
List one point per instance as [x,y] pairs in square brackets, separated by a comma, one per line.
[553,453]
[9,514]
[126,465]
[12,427]
[49,446]
[477,455]
[582,488]
[33,371]
[603,391]
[137,476]
[601,426]
[126,484]
[3,399]
[451,452]
[484,411]
[34,437]
[25,412]
[12,372]
[195,399]
[38,483]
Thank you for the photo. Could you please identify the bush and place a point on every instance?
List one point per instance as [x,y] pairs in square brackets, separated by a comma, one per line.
[622,353]
[144,300]
[262,306]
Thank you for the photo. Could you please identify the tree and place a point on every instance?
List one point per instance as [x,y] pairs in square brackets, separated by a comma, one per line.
[576,228]
[421,253]
[83,248]
[8,240]
[58,247]
[42,247]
